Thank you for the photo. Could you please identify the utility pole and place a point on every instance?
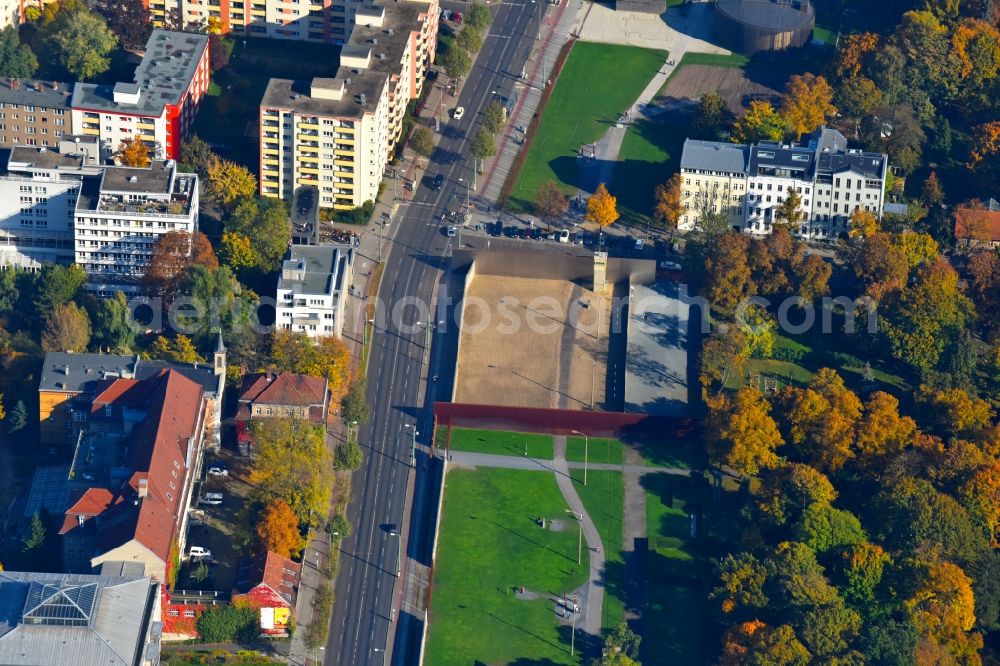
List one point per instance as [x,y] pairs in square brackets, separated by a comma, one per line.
[586,452]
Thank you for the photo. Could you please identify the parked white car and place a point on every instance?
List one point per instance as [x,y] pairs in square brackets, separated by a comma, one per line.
[212,499]
[670,265]
[218,470]
[199,552]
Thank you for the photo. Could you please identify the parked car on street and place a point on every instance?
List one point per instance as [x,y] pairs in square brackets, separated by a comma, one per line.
[564,236]
[218,469]
[438,182]
[211,499]
[451,232]
[670,265]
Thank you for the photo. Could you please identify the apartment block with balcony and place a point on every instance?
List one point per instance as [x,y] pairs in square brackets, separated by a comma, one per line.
[337,134]
[34,113]
[831,179]
[38,191]
[158,106]
[121,213]
[312,289]
[713,177]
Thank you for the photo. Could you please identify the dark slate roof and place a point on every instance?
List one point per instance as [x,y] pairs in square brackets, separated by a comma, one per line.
[63,371]
[48,94]
[200,373]
[778,156]
[870,165]
[715,156]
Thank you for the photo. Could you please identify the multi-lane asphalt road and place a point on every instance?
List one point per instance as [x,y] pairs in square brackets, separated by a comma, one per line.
[365,618]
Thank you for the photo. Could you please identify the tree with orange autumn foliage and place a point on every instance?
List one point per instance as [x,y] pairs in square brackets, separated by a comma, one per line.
[741,433]
[851,52]
[980,496]
[986,143]
[954,411]
[727,275]
[880,265]
[278,529]
[821,420]
[133,153]
[602,207]
[943,610]
[754,642]
[173,254]
[882,433]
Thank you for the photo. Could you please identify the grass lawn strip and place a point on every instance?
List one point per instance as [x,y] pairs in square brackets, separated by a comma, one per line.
[598,82]
[600,450]
[675,593]
[498,442]
[489,545]
[603,497]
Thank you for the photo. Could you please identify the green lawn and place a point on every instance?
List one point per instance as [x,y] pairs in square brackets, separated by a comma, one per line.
[489,545]
[603,497]
[676,612]
[599,450]
[598,82]
[499,442]
[650,154]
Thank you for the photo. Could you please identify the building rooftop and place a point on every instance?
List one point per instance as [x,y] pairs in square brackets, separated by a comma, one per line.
[305,214]
[72,373]
[315,269]
[771,158]
[48,94]
[871,165]
[715,156]
[161,78]
[278,575]
[74,619]
[774,15]
[38,157]
[166,191]
[380,45]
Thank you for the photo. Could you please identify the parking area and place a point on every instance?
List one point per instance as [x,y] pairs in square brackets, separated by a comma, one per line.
[222,528]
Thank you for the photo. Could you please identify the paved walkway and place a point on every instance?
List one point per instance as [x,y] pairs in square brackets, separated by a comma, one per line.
[594,598]
[470,459]
[559,27]
[634,530]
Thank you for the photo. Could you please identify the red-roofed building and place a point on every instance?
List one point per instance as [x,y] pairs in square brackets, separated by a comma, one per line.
[270,583]
[977,227]
[150,434]
[282,395]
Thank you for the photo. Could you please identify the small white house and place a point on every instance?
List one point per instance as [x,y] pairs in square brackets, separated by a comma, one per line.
[312,289]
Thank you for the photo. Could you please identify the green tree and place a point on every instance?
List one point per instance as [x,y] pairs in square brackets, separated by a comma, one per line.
[18,417]
[82,45]
[347,457]
[225,624]
[56,285]
[354,406]
[9,290]
[197,155]
[456,63]
[710,117]
[36,537]
[266,223]
[111,322]
[741,583]
[622,640]
[483,144]
[66,329]
[216,298]
[17,60]
[926,314]
[494,116]
[789,212]
[180,349]
[230,183]
[824,528]
[785,492]
[469,39]
[422,141]
[863,568]
[479,17]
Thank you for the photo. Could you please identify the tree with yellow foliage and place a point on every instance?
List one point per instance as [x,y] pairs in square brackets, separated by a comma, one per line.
[668,206]
[864,224]
[943,610]
[228,182]
[602,207]
[760,122]
[741,434]
[133,152]
[980,496]
[807,103]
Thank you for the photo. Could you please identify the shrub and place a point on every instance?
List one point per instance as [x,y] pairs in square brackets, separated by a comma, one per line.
[786,354]
[223,624]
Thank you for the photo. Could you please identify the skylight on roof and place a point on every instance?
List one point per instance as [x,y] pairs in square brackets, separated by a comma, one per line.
[59,605]
[765,153]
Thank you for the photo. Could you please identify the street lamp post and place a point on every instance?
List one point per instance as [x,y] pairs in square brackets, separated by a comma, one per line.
[586,452]
[579,538]
[364,332]
[413,443]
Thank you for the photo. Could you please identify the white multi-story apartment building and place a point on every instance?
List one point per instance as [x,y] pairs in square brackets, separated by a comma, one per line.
[38,191]
[338,133]
[831,179]
[713,176]
[312,289]
[158,106]
[120,214]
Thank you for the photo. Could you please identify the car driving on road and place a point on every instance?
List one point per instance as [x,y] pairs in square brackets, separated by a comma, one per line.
[458,112]
[437,182]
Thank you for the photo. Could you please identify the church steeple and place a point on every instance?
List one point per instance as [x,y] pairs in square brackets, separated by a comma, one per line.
[220,356]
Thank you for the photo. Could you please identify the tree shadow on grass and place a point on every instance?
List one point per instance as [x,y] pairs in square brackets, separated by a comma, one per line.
[532,541]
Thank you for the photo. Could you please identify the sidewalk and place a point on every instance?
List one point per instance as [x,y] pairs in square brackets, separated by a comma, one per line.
[560,28]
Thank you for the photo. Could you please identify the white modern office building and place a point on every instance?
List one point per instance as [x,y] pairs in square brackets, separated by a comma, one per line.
[312,289]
